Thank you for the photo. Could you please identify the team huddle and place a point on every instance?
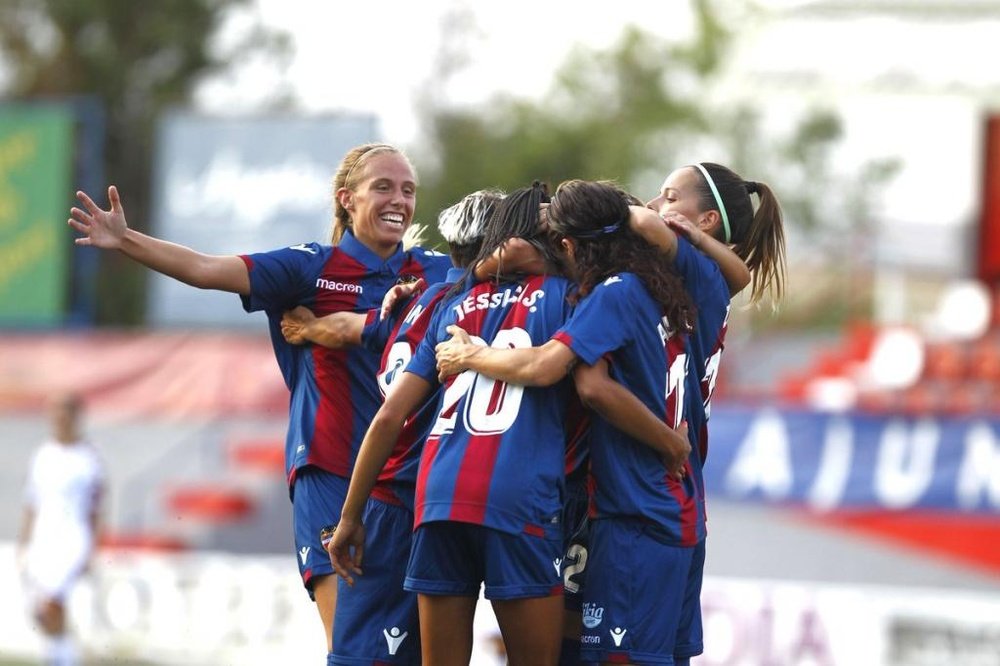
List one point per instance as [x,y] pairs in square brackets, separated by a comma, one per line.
[527,415]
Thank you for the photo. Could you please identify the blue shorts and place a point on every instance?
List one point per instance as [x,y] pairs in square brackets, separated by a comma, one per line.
[689,632]
[453,559]
[577,527]
[638,590]
[317,499]
[376,620]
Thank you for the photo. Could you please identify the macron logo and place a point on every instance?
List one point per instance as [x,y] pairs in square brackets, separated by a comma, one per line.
[617,634]
[303,554]
[557,563]
[393,639]
[333,285]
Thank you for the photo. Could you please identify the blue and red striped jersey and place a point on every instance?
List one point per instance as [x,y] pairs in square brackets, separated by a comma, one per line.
[497,452]
[334,394]
[708,289]
[620,319]
[397,481]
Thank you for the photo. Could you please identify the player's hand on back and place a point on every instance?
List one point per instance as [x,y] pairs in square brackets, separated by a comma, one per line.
[100,228]
[399,293]
[452,353]
[294,323]
[680,449]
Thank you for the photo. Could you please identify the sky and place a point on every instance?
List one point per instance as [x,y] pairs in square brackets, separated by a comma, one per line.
[906,86]
[376,57]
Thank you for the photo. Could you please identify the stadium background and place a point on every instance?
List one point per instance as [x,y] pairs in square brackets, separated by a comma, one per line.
[854,472]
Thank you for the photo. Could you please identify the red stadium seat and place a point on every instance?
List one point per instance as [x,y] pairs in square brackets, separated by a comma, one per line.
[259,455]
[211,504]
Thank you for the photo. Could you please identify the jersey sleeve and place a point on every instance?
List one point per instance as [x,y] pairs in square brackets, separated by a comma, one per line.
[376,332]
[702,277]
[280,279]
[599,324]
[435,264]
[424,363]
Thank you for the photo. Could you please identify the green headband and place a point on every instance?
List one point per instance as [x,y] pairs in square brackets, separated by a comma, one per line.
[718,200]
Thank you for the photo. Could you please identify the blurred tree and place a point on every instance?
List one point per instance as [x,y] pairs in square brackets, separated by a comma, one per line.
[628,112]
[138,58]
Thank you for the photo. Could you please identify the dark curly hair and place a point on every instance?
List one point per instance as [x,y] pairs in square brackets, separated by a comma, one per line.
[595,215]
[515,216]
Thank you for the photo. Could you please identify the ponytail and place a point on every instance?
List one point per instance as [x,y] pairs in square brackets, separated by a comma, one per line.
[757,236]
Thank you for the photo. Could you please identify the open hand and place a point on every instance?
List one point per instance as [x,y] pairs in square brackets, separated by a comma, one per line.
[399,293]
[100,228]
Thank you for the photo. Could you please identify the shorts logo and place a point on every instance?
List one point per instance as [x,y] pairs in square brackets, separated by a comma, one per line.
[557,563]
[393,639]
[303,553]
[617,634]
[590,639]
[592,615]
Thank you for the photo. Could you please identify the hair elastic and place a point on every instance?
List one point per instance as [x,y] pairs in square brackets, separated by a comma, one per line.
[718,200]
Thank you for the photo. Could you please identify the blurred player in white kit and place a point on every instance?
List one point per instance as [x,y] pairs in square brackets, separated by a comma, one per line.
[58,532]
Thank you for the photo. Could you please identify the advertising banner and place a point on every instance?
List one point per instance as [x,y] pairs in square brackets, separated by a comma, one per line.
[35,162]
[241,185]
[854,460]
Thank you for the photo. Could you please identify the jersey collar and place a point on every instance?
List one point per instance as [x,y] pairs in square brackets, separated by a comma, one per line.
[373,262]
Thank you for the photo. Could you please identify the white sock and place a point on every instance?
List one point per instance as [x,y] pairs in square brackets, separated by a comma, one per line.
[61,651]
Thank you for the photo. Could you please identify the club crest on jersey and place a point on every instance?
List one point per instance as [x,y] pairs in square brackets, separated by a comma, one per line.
[302,247]
[333,285]
[592,615]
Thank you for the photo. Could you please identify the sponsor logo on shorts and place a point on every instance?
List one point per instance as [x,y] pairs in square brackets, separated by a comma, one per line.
[617,634]
[333,285]
[303,553]
[592,615]
[394,638]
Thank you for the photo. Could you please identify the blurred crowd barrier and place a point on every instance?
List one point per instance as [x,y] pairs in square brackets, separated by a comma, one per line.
[213,608]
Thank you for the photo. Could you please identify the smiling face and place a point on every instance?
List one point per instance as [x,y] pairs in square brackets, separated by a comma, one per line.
[381,205]
[680,194]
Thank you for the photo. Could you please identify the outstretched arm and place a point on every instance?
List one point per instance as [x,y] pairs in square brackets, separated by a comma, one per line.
[335,331]
[619,407]
[107,229]
[347,547]
[527,366]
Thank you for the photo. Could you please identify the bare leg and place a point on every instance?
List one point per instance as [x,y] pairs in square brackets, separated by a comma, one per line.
[446,629]
[532,629]
[325,590]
